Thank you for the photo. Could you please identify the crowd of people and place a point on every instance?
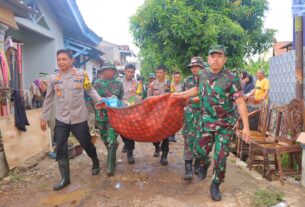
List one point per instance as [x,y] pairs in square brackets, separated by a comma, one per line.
[211,97]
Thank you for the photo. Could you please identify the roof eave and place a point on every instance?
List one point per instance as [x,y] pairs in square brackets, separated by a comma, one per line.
[94,38]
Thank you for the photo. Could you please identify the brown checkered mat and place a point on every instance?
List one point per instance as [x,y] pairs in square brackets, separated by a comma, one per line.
[152,120]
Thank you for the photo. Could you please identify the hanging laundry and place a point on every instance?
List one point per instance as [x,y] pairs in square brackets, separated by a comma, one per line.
[3,102]
[8,43]
[5,68]
[19,57]
[20,116]
[1,75]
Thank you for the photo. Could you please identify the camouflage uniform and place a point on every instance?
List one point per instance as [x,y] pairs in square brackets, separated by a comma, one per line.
[150,77]
[191,116]
[107,88]
[217,92]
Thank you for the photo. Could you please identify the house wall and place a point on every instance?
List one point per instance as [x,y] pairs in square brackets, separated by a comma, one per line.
[54,25]
[39,51]
[89,67]
[38,54]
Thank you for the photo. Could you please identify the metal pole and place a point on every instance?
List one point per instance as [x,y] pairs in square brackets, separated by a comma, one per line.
[299,56]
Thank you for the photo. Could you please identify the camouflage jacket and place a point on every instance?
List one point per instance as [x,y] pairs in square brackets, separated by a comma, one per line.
[190,82]
[217,95]
[107,88]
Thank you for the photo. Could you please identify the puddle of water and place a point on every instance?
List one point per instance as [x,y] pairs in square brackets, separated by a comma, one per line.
[118,185]
[73,198]
[143,168]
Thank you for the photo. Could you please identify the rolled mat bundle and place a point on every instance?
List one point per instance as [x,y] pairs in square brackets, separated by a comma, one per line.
[151,120]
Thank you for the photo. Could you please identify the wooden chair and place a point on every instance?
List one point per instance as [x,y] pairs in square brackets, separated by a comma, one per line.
[255,149]
[290,125]
[242,147]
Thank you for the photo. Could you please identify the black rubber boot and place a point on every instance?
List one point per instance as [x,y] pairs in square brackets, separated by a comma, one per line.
[157,152]
[202,170]
[164,158]
[196,166]
[130,157]
[215,192]
[65,174]
[188,170]
[95,166]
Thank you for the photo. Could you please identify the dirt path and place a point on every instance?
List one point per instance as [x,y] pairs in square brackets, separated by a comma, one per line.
[145,183]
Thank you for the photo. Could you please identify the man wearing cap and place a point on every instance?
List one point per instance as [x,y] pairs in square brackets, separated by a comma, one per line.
[159,87]
[151,78]
[131,95]
[218,90]
[67,87]
[191,116]
[106,85]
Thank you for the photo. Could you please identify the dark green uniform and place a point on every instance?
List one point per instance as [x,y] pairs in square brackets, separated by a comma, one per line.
[217,95]
[107,88]
[191,116]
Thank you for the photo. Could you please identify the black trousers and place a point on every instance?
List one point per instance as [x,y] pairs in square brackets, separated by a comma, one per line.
[80,131]
[128,143]
[164,145]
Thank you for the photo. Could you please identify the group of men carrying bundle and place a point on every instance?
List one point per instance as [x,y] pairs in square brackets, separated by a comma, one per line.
[211,96]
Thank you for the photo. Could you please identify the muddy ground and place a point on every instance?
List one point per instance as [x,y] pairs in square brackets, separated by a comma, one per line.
[146,183]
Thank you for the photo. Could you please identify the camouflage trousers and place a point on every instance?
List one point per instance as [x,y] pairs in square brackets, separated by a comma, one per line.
[108,135]
[204,145]
[191,117]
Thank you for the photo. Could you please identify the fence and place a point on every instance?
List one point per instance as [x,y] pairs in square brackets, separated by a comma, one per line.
[282,78]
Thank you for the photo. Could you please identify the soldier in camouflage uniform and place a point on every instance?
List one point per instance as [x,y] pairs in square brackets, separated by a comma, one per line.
[159,87]
[151,78]
[218,89]
[106,85]
[191,116]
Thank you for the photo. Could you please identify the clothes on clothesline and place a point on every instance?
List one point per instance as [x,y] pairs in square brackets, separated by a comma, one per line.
[11,64]
[4,68]
[19,57]
[21,120]
[10,70]
[7,100]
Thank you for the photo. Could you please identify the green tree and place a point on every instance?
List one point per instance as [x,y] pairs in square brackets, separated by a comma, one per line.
[260,64]
[172,31]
